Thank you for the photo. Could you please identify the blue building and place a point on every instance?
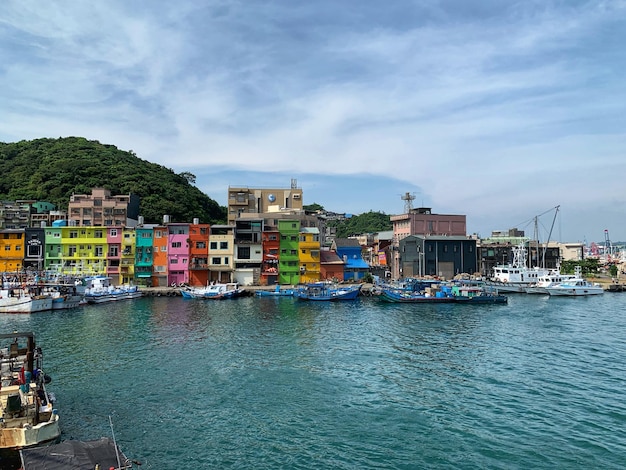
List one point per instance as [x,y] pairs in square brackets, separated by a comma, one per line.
[349,251]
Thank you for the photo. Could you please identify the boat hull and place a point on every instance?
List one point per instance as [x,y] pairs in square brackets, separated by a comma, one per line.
[30,436]
[25,304]
[322,293]
[70,301]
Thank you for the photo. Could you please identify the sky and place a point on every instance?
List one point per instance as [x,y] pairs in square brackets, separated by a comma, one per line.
[498,110]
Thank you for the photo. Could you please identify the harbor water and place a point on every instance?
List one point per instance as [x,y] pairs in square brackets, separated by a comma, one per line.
[273,383]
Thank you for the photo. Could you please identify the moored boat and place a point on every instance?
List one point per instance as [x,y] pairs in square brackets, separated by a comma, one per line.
[276,292]
[477,295]
[575,287]
[99,289]
[24,299]
[549,280]
[215,291]
[322,291]
[28,414]
[517,276]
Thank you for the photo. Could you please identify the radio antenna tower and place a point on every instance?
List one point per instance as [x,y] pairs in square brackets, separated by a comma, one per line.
[408,199]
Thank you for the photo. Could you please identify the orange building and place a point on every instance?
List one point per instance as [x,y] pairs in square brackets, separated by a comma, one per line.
[159,256]
[199,253]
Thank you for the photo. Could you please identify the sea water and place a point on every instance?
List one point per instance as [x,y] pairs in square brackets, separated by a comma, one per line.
[273,383]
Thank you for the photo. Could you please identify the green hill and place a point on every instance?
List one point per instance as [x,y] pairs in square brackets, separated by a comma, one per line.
[52,169]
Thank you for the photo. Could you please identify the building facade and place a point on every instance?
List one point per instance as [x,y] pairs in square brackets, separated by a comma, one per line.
[101,209]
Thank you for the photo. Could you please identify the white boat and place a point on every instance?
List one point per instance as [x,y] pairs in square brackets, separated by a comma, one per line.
[517,276]
[549,280]
[24,299]
[215,291]
[98,289]
[28,414]
[576,287]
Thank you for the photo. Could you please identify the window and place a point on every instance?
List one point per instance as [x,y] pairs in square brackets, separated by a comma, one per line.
[244,252]
[7,247]
[71,250]
[213,245]
[226,260]
[174,261]
[73,234]
[223,245]
[216,260]
[163,248]
[99,251]
[113,251]
[200,245]
[18,247]
[176,244]
[113,232]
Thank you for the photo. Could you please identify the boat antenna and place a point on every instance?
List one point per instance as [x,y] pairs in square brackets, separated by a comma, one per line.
[117,454]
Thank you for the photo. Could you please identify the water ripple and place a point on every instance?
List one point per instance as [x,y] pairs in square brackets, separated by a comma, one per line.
[276,383]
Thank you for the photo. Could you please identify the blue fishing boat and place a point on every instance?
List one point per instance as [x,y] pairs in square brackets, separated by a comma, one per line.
[321,291]
[277,292]
[404,296]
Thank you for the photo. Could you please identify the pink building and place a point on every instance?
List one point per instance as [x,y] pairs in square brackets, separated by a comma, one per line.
[114,253]
[178,253]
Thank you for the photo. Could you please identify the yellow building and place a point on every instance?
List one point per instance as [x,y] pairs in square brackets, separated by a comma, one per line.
[83,250]
[127,261]
[11,250]
[309,254]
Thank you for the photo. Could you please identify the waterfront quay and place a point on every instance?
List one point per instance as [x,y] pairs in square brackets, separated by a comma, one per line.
[366,290]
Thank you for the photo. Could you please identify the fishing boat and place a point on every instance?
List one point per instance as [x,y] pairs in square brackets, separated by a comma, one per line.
[444,293]
[24,299]
[517,276]
[64,296]
[401,296]
[322,291]
[477,295]
[215,291]
[276,292]
[99,289]
[28,414]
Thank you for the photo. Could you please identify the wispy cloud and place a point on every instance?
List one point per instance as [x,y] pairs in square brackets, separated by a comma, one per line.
[473,102]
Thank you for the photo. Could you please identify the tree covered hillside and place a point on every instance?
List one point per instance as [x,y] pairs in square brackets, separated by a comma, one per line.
[52,169]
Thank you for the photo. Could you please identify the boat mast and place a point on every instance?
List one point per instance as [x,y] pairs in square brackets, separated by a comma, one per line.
[545,248]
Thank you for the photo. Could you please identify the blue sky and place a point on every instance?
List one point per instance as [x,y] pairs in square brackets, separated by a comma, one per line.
[499,110]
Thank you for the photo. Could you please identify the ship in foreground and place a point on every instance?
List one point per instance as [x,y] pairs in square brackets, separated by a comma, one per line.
[28,414]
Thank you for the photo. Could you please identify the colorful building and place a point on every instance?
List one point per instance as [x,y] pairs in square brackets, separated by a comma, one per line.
[143,255]
[199,253]
[83,250]
[159,256]
[11,250]
[288,258]
[221,253]
[177,254]
[271,249]
[309,254]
